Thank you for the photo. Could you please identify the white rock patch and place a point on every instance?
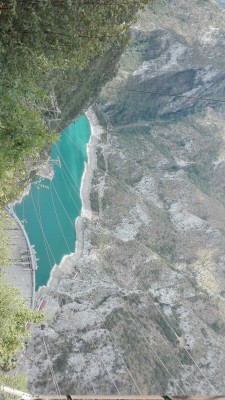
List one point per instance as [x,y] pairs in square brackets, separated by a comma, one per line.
[184,220]
[169,60]
[148,190]
[129,226]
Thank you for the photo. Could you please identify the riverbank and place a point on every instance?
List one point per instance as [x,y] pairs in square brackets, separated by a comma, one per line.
[90,166]
[52,207]
[68,261]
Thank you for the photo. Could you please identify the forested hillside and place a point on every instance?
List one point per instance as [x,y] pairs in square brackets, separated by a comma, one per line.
[51,52]
[142,309]
[55,56]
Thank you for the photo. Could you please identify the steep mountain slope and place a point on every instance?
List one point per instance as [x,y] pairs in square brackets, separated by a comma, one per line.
[46,45]
[141,306]
[54,58]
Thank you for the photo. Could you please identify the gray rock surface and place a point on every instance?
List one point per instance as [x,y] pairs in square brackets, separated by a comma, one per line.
[142,307]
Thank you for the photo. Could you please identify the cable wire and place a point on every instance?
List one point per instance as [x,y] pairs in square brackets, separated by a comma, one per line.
[51,367]
[157,356]
[69,192]
[130,374]
[173,329]
[169,94]
[72,178]
[106,368]
[128,370]
[124,188]
[56,214]
[42,230]
[72,223]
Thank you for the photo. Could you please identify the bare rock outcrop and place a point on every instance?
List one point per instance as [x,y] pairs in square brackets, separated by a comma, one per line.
[142,308]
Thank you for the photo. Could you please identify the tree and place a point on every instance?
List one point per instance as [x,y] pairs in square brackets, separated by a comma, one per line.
[14,380]
[41,40]
[13,315]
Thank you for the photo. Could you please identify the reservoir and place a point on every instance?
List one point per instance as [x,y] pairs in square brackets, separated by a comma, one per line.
[51,207]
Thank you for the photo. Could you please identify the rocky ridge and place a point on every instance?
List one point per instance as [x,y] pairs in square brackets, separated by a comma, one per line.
[141,308]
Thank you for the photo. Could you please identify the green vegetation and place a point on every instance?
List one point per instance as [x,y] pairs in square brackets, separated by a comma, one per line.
[17,381]
[4,253]
[94,201]
[167,250]
[161,376]
[13,315]
[215,327]
[196,174]
[55,55]
[165,327]
[51,51]
[114,317]
[185,357]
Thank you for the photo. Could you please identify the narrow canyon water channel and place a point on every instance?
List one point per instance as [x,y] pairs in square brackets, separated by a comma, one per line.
[51,207]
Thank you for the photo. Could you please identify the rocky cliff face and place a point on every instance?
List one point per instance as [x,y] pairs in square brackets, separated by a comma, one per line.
[141,307]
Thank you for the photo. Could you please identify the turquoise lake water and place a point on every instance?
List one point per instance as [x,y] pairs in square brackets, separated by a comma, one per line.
[50,208]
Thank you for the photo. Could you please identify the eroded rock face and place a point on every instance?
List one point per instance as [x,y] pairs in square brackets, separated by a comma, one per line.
[142,307]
